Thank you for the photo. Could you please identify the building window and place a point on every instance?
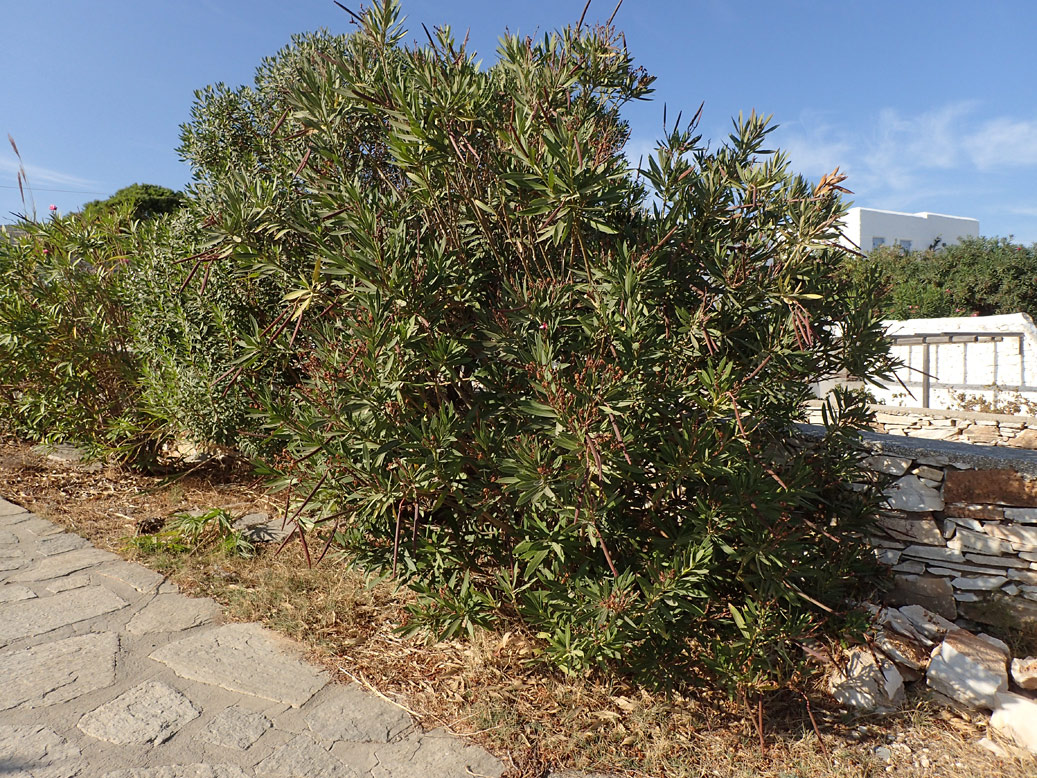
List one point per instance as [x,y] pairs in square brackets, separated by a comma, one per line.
[876,242]
[905,244]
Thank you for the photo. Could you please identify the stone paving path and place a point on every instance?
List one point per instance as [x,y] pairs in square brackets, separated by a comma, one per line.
[106,670]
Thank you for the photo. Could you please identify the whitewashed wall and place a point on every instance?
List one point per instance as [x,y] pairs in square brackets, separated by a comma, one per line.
[1001,375]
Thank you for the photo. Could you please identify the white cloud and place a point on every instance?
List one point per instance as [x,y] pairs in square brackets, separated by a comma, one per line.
[1003,142]
[37,175]
[902,160]
[817,150]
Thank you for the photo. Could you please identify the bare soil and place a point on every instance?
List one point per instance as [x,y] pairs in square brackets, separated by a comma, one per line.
[490,689]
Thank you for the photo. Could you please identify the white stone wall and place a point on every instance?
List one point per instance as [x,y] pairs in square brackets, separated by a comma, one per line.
[994,376]
[914,231]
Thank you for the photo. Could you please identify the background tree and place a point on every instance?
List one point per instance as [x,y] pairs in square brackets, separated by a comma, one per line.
[979,276]
[141,201]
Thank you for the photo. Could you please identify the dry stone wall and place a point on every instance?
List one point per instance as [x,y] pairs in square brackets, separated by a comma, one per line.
[983,429]
[960,532]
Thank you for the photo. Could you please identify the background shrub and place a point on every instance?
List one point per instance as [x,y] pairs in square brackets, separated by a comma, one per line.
[67,366]
[979,276]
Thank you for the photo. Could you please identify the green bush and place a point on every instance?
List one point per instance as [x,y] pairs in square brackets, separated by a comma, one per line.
[142,201]
[977,277]
[67,366]
[537,384]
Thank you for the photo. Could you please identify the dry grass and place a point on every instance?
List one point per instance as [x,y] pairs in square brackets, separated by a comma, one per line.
[488,689]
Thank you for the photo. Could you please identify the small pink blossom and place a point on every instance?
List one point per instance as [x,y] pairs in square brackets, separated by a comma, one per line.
[46,251]
[543,326]
[53,207]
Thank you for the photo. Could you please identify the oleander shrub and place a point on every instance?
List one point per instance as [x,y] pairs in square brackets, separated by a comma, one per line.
[199,312]
[67,367]
[540,386]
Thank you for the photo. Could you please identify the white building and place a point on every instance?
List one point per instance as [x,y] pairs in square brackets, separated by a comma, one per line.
[868,228]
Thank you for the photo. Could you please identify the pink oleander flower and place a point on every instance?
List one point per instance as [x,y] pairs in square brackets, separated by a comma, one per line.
[53,207]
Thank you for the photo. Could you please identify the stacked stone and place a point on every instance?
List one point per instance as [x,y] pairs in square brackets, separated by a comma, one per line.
[960,540]
[984,429]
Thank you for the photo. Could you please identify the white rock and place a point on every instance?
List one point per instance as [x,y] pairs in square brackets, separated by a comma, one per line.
[931,473]
[994,748]
[967,540]
[887,464]
[973,524]
[904,651]
[909,567]
[997,643]
[1021,538]
[968,669]
[1024,672]
[1022,515]
[986,583]
[887,556]
[926,623]
[896,621]
[866,684]
[996,561]
[938,554]
[910,494]
[1015,717]
[955,570]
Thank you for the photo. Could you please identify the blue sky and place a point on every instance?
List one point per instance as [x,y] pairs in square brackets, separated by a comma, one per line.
[928,105]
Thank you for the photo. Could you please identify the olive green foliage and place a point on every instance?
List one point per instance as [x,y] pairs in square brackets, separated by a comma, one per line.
[202,314]
[537,384]
[67,367]
[142,201]
[977,277]
[185,337]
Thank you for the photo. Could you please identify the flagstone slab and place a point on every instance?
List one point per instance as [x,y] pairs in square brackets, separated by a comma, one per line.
[14,593]
[172,613]
[7,538]
[33,751]
[57,672]
[149,713]
[37,617]
[139,577]
[12,563]
[438,753]
[356,715]
[236,728]
[58,544]
[64,564]
[303,756]
[10,509]
[39,527]
[180,771]
[76,581]
[243,658]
